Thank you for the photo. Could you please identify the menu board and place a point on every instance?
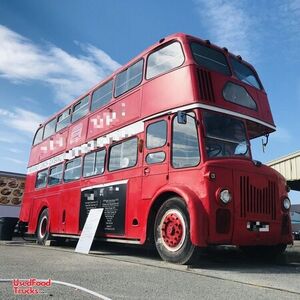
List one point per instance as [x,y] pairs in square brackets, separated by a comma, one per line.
[112,199]
[11,190]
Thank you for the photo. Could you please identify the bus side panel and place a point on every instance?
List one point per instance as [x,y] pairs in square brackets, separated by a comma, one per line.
[167,91]
[48,148]
[124,111]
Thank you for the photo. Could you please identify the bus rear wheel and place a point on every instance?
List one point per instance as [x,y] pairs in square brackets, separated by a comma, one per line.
[172,233]
[43,227]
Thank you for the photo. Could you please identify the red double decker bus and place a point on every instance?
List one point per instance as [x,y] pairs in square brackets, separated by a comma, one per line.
[163,145]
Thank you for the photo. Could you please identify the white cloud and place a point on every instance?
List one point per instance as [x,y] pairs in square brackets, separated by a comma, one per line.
[228,24]
[69,76]
[21,119]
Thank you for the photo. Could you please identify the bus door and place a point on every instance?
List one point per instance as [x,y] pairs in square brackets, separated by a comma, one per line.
[156,156]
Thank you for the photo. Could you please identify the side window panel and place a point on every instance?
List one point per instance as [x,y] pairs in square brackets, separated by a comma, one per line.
[63,120]
[49,128]
[73,170]
[41,179]
[185,145]
[55,175]
[123,155]
[129,78]
[210,58]
[80,109]
[102,95]
[94,163]
[164,60]
[156,157]
[38,136]
[156,135]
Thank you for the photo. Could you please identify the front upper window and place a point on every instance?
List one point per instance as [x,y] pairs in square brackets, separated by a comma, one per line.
[244,73]
[164,60]
[210,58]
[224,135]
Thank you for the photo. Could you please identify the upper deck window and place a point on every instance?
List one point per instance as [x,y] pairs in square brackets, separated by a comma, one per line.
[38,136]
[80,109]
[164,60]
[237,94]
[49,128]
[210,58]
[129,78]
[63,120]
[244,73]
[102,95]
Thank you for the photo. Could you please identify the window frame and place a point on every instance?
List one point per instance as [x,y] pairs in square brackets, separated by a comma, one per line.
[198,140]
[33,142]
[92,109]
[69,116]
[119,143]
[62,173]
[75,104]
[46,181]
[125,70]
[158,162]
[104,164]
[191,42]
[159,48]
[53,120]
[65,169]
[166,139]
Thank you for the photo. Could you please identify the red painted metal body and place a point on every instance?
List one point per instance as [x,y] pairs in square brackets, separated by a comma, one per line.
[257,190]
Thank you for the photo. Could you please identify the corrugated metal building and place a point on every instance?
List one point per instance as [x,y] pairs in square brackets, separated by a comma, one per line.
[289,167]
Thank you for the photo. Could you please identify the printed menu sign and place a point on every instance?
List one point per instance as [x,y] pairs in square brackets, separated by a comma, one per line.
[112,199]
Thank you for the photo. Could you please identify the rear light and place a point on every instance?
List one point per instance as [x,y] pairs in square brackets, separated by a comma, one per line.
[223,217]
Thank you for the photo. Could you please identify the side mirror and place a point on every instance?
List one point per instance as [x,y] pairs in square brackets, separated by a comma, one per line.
[181,117]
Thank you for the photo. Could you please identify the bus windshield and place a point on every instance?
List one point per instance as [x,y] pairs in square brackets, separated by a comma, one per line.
[225,136]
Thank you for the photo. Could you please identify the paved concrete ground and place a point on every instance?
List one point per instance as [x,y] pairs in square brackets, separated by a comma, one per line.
[122,272]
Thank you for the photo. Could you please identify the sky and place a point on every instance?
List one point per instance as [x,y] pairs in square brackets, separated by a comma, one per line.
[51,52]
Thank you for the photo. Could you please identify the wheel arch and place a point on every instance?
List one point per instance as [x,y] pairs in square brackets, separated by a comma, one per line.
[196,211]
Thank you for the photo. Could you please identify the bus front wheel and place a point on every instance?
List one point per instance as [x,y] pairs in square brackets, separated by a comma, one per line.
[43,227]
[172,233]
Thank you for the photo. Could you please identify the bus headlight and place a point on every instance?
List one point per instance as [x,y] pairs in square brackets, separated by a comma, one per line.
[286,203]
[225,196]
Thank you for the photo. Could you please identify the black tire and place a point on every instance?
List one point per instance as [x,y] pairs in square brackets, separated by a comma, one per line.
[264,252]
[172,233]
[42,231]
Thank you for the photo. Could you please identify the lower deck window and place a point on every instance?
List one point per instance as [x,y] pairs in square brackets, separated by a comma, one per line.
[73,170]
[123,155]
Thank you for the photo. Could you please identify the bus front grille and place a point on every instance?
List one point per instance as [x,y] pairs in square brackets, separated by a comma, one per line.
[256,200]
[205,85]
